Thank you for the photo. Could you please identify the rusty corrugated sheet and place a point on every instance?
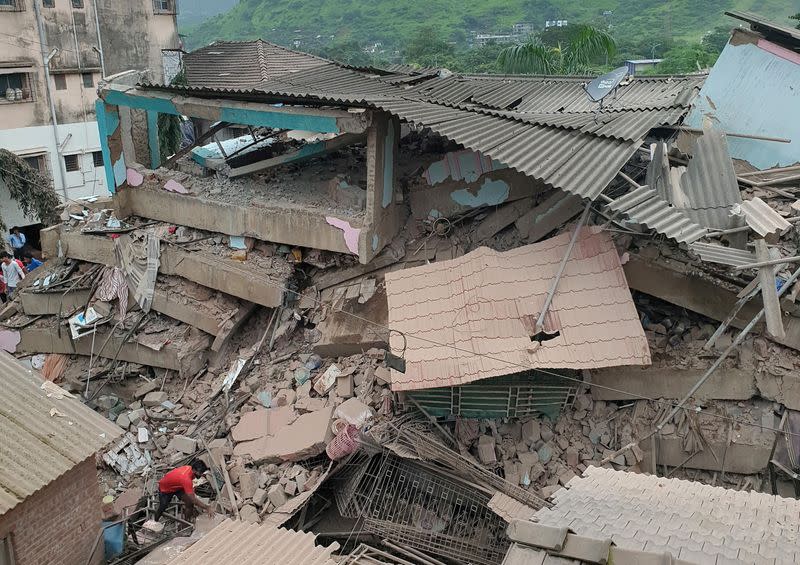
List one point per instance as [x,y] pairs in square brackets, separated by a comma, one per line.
[712,253]
[242,543]
[644,206]
[474,315]
[763,219]
[45,432]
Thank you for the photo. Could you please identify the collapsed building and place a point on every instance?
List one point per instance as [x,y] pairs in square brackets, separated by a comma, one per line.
[408,310]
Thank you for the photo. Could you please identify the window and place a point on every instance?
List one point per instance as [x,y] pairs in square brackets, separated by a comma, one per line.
[14,87]
[71,163]
[35,162]
[88,80]
[12,5]
[164,7]
[77,4]
[97,159]
[61,82]
[49,3]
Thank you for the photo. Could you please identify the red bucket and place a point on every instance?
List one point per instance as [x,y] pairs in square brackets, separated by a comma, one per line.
[345,443]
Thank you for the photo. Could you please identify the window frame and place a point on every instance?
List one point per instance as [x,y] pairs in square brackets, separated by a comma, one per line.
[71,156]
[91,80]
[63,78]
[15,6]
[77,4]
[95,160]
[171,9]
[48,3]
[25,84]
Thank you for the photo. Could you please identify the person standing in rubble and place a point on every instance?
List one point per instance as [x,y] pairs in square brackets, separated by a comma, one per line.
[179,482]
[12,273]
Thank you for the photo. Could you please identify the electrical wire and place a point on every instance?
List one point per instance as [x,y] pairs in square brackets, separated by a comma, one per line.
[637,396]
[504,361]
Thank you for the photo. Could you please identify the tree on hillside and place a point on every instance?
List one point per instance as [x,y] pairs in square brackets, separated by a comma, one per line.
[687,58]
[796,17]
[716,39]
[584,45]
[428,49]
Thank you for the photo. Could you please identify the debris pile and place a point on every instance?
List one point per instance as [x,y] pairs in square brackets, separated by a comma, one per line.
[406,338]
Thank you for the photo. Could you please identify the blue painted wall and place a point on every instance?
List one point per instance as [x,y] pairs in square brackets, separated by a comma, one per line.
[107,123]
[753,91]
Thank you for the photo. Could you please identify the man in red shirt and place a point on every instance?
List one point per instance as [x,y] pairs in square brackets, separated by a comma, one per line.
[178,482]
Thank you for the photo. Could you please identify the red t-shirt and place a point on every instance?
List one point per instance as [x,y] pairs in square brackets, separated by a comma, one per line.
[179,478]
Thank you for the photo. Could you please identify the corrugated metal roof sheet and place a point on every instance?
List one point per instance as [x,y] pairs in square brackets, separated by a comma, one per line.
[45,432]
[472,318]
[243,543]
[645,207]
[763,219]
[761,24]
[544,127]
[244,64]
[712,253]
[709,183]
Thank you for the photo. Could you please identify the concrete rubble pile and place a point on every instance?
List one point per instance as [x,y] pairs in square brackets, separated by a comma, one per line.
[404,341]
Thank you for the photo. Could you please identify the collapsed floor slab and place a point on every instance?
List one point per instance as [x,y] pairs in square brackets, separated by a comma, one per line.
[185,356]
[210,270]
[173,297]
[677,283]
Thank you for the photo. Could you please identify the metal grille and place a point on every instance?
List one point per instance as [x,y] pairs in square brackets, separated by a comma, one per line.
[408,504]
[529,394]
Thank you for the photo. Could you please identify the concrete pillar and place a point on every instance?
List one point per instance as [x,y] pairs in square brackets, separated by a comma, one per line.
[108,123]
[384,216]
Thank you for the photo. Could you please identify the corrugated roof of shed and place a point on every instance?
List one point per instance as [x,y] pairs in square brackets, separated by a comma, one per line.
[43,436]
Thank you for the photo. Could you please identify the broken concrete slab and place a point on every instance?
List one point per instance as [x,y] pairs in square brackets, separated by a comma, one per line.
[230,277]
[632,383]
[260,423]
[306,437]
[154,398]
[183,444]
[185,358]
[350,327]
[680,284]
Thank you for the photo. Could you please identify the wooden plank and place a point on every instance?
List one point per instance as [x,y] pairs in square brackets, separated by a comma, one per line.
[501,218]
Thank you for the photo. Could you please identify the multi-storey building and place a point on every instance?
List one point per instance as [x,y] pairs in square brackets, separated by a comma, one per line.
[53,54]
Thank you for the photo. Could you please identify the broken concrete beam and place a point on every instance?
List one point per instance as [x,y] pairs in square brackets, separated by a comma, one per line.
[632,383]
[231,277]
[740,458]
[47,303]
[501,218]
[552,213]
[263,220]
[676,283]
[231,327]
[248,484]
[486,452]
[186,358]
[305,437]
[259,497]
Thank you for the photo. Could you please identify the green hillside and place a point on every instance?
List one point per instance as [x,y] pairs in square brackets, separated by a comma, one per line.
[313,24]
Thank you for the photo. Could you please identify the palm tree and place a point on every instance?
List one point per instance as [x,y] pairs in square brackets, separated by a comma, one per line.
[584,44]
